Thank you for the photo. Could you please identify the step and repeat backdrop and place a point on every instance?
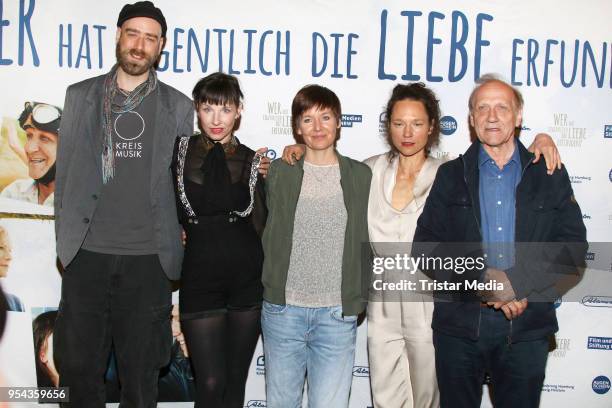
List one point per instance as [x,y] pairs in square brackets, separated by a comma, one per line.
[559,53]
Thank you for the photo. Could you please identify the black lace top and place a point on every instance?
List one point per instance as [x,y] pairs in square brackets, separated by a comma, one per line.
[213,179]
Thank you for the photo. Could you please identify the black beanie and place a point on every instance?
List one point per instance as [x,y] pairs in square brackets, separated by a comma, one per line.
[142,9]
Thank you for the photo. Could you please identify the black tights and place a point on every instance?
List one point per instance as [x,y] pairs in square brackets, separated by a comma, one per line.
[221,347]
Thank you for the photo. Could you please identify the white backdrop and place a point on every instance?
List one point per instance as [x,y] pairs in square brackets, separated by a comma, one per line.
[558,52]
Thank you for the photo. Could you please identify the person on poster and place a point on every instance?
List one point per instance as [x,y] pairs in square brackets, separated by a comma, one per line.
[42,330]
[118,235]
[493,200]
[12,303]
[176,382]
[41,123]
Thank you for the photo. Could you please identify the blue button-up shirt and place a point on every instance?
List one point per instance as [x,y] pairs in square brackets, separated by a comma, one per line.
[497,194]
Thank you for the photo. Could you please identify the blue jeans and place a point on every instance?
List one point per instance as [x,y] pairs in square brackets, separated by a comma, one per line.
[313,343]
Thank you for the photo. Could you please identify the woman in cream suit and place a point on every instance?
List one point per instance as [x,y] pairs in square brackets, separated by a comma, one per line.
[402,363]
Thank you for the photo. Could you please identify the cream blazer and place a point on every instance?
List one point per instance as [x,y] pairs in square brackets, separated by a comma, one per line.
[385,223]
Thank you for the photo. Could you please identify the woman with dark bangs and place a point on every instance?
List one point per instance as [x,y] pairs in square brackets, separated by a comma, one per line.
[222,209]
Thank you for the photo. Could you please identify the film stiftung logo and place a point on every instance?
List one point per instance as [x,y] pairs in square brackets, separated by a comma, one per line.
[568,134]
[280,118]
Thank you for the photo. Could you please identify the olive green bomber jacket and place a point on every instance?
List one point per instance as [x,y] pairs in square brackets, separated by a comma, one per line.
[283,186]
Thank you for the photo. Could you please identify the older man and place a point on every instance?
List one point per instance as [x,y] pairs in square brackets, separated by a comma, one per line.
[41,123]
[497,199]
[118,235]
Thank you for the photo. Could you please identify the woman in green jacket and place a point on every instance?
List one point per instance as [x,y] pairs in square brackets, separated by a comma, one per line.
[314,286]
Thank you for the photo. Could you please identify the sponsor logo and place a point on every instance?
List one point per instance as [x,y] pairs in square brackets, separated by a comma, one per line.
[569,135]
[448,125]
[563,346]
[382,123]
[608,131]
[597,301]
[438,154]
[589,256]
[579,179]
[347,120]
[271,154]
[558,302]
[525,128]
[256,404]
[557,388]
[586,217]
[599,343]
[260,368]
[601,384]
[279,117]
[361,371]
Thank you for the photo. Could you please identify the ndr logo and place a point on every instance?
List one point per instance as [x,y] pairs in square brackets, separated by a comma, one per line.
[589,256]
[361,371]
[256,404]
[608,131]
[448,125]
[601,384]
[597,301]
[347,120]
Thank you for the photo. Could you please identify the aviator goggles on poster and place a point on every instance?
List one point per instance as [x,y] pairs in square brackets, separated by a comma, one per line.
[41,116]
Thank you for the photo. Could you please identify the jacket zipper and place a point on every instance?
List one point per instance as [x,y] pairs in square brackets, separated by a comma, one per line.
[515,229]
[479,230]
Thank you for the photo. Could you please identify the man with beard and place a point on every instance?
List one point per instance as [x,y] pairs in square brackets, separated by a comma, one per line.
[118,235]
[41,123]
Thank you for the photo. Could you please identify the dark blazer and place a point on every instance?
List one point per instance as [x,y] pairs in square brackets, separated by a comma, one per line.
[79,169]
[548,218]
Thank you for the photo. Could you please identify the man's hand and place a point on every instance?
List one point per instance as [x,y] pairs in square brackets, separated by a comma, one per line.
[264,165]
[512,309]
[544,145]
[293,153]
[496,296]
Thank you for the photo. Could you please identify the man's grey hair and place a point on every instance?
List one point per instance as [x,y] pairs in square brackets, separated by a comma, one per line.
[488,78]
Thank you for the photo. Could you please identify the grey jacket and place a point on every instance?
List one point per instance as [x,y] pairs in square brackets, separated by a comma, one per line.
[78,181]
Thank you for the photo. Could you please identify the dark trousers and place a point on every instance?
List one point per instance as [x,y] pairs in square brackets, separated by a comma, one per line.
[516,370]
[119,300]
